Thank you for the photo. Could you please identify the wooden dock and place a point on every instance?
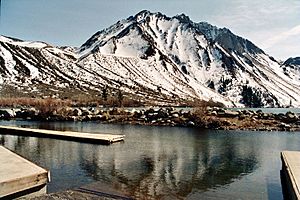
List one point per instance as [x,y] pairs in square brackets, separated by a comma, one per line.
[19,177]
[291,174]
[66,135]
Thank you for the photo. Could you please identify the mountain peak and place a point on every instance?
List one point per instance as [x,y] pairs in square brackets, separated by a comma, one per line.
[292,61]
[183,18]
[142,15]
[147,24]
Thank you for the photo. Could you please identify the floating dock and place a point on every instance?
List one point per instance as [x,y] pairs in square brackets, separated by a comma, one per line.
[291,174]
[20,177]
[66,135]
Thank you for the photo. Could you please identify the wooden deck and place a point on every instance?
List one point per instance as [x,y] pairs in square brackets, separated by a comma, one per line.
[291,173]
[66,135]
[19,177]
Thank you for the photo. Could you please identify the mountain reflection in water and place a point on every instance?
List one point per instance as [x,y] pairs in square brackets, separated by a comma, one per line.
[159,162]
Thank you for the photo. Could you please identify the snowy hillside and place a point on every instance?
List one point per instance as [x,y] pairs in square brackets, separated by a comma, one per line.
[157,57]
[291,68]
[27,65]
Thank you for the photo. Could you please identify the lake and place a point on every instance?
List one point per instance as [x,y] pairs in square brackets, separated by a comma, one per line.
[162,162]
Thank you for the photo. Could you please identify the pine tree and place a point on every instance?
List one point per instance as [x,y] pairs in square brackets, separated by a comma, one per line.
[250,97]
[120,97]
[104,93]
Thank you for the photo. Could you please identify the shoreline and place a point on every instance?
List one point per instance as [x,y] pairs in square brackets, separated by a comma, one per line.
[209,118]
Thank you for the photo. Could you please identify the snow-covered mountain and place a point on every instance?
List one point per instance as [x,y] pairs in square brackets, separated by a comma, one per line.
[291,68]
[154,56]
[293,62]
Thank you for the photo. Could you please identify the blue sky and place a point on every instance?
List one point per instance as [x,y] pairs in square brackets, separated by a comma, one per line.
[273,25]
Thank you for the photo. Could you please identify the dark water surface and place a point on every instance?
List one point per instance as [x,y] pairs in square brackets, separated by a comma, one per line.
[162,162]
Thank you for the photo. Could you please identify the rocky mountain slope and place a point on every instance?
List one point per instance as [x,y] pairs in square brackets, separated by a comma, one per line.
[155,57]
[293,62]
[291,68]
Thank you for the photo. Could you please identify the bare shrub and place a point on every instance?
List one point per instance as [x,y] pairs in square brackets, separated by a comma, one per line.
[199,114]
[49,106]
[15,102]
[202,103]
[64,111]
[200,111]
[129,102]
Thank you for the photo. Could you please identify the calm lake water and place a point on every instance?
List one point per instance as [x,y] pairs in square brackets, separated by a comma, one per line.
[162,162]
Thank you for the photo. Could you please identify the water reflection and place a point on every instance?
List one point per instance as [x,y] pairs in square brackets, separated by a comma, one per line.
[153,162]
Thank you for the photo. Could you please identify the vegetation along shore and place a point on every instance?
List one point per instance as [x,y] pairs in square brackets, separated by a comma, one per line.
[203,116]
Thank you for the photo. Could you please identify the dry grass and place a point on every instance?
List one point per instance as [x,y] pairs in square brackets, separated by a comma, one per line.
[196,103]
[78,101]
[46,107]
[49,106]
[32,102]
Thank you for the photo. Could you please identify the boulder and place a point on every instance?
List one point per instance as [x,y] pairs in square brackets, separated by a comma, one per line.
[138,114]
[150,110]
[156,109]
[259,111]
[12,112]
[76,112]
[284,126]
[153,121]
[242,116]
[213,113]
[291,117]
[86,113]
[97,112]
[186,114]
[175,115]
[115,111]
[179,120]
[227,123]
[190,123]
[27,113]
[88,117]
[5,114]
[162,113]
[126,112]
[209,109]
[72,118]
[279,116]
[265,116]
[152,116]
[173,112]
[231,114]
[170,109]
[247,112]
[143,117]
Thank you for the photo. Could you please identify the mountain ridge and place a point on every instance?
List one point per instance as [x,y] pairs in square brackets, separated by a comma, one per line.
[173,58]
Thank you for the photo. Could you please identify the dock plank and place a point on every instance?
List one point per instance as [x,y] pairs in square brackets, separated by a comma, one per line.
[67,135]
[18,174]
[291,168]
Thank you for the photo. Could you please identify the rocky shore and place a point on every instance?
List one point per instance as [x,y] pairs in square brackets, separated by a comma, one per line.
[210,118]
